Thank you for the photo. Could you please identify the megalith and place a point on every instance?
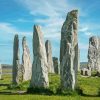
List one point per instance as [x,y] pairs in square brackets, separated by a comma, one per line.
[94,54]
[55,64]
[17,68]
[26,61]
[49,56]
[69,51]
[40,66]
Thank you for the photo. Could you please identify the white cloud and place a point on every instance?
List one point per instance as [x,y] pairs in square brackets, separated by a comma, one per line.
[89,26]
[49,8]
[22,20]
[83,29]
[52,27]
[53,36]
[86,29]
[54,11]
[88,33]
[9,28]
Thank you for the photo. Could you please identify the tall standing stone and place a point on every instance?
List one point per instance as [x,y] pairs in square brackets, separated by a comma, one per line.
[94,54]
[16,74]
[49,56]
[69,51]
[0,71]
[40,67]
[26,61]
[55,64]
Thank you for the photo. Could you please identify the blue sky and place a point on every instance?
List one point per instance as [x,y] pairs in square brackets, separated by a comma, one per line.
[19,16]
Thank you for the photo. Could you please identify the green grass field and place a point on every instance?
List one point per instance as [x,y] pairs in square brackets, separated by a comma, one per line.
[89,85]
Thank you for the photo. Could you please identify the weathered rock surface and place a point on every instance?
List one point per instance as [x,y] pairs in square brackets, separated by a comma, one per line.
[94,54]
[55,64]
[49,56]
[40,67]
[69,51]
[26,61]
[0,71]
[17,68]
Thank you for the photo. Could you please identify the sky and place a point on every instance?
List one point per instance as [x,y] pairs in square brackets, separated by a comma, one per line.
[19,17]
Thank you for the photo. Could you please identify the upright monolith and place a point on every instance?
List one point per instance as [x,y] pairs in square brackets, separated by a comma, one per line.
[49,56]
[69,51]
[40,67]
[94,54]
[55,64]
[17,68]
[26,61]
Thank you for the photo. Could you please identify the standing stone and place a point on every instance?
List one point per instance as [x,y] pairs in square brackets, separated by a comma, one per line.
[26,61]
[0,71]
[69,51]
[55,64]
[40,67]
[16,74]
[49,56]
[94,54]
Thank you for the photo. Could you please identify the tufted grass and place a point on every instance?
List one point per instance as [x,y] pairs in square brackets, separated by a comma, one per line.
[89,85]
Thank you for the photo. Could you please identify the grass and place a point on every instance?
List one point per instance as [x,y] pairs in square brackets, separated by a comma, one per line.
[5,70]
[89,85]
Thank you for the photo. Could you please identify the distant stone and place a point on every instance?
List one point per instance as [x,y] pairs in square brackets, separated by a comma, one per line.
[0,71]
[49,56]
[55,64]
[6,66]
[94,54]
[40,67]
[78,59]
[85,72]
[69,51]
[17,68]
[26,61]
